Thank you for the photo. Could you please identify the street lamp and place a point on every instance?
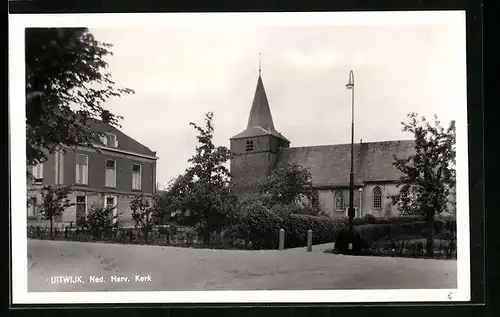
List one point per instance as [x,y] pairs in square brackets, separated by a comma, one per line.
[350,213]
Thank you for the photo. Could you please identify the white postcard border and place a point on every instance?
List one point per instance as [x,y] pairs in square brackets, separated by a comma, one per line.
[20,295]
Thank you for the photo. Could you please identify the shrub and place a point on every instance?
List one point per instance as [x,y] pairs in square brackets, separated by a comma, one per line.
[325,229]
[258,225]
[99,219]
[371,219]
[373,232]
[366,219]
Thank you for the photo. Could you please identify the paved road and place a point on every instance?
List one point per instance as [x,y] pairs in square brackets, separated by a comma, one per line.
[171,268]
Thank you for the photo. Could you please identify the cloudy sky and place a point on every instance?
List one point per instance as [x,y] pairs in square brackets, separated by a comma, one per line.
[179,73]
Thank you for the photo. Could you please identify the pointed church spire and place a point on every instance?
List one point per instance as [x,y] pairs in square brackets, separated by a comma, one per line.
[260,63]
[260,114]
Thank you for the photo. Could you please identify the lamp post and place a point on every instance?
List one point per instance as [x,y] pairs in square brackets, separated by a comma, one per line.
[350,213]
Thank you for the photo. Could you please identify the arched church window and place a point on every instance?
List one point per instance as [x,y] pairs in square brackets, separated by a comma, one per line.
[377,198]
[339,200]
[315,200]
[249,145]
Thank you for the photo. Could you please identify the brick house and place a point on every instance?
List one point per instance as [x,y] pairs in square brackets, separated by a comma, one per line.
[260,148]
[122,169]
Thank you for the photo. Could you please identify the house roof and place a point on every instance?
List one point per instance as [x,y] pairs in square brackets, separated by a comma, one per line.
[125,142]
[260,120]
[330,165]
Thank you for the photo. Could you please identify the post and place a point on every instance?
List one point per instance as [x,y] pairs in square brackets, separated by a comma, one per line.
[350,85]
[360,202]
[282,239]
[309,240]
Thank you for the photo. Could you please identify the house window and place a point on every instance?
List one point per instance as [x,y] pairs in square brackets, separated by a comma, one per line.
[110,173]
[136,177]
[109,140]
[32,207]
[110,203]
[377,198]
[249,145]
[339,200]
[38,173]
[81,209]
[82,169]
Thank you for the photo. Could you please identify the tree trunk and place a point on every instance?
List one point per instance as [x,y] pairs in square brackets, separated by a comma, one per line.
[430,234]
[51,227]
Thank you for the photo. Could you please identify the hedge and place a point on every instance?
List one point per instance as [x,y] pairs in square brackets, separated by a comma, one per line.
[371,219]
[325,229]
[260,225]
[373,232]
[405,227]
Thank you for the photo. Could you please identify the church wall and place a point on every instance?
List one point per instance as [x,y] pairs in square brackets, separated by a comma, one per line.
[327,201]
[387,210]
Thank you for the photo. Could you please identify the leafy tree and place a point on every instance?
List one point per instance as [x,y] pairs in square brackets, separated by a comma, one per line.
[203,193]
[429,174]
[101,218]
[65,68]
[289,183]
[144,213]
[54,201]
[161,209]
[172,198]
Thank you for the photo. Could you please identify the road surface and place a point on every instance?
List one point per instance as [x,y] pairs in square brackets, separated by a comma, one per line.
[76,266]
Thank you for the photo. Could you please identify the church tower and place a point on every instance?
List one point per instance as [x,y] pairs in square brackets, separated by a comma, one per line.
[255,149]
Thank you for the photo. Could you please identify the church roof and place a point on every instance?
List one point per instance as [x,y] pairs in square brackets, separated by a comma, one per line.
[330,165]
[260,120]
[260,114]
[258,131]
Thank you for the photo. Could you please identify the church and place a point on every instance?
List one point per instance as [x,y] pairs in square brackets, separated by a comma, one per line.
[261,147]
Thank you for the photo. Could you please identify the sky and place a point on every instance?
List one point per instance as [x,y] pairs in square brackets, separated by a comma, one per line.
[181,72]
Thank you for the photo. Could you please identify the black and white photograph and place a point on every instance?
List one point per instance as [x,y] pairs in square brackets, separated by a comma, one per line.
[250,157]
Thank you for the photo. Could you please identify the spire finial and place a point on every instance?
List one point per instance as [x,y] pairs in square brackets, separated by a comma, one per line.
[260,63]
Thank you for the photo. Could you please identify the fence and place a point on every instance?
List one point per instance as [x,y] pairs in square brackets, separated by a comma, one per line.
[403,245]
[443,249]
[163,236]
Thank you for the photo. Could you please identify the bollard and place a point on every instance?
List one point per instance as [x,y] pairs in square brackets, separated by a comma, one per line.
[222,238]
[309,240]
[282,239]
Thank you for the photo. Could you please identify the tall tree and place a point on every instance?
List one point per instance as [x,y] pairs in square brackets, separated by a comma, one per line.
[287,184]
[429,174]
[54,202]
[203,192]
[66,86]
